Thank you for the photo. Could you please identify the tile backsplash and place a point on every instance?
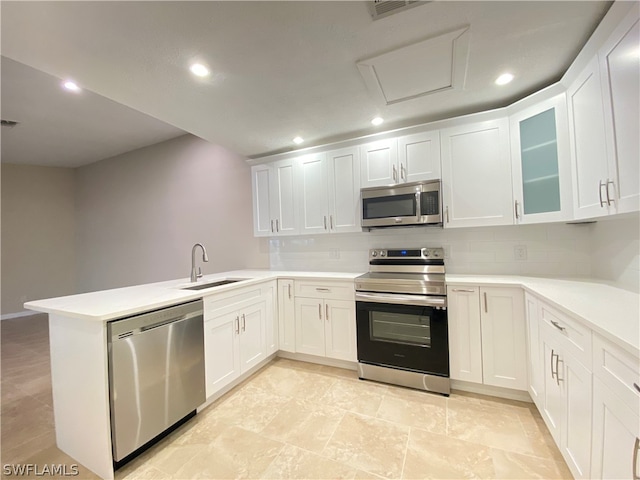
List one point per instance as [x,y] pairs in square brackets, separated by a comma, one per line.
[547,249]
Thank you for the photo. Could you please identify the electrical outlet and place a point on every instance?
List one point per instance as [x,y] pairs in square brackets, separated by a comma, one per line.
[520,252]
[334,253]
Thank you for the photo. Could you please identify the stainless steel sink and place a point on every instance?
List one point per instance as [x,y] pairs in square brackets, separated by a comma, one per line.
[219,283]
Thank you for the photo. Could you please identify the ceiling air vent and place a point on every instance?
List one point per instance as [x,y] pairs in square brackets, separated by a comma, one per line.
[8,123]
[384,8]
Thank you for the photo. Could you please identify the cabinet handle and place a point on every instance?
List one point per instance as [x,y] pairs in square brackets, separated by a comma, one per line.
[271,226]
[516,209]
[244,323]
[464,290]
[553,374]
[601,184]
[238,325]
[395,174]
[635,459]
[277,225]
[446,213]
[318,289]
[331,221]
[326,312]
[636,386]
[486,305]
[609,200]
[320,311]
[558,379]
[402,177]
[325,222]
[289,288]
[558,326]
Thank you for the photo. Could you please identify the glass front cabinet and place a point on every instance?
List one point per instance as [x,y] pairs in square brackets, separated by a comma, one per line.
[541,162]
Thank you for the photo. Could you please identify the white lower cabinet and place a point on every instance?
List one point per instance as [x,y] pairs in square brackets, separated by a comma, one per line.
[326,328]
[487,336]
[286,316]
[534,355]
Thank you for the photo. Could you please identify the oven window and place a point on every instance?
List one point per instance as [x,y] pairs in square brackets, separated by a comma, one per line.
[400,328]
[385,207]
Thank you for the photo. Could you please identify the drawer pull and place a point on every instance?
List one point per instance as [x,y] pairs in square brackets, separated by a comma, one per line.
[636,386]
[323,290]
[558,326]
[635,459]
[463,290]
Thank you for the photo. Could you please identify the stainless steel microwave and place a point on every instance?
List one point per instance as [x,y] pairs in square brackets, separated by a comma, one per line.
[408,204]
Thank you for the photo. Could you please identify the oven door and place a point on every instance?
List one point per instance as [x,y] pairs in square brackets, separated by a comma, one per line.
[410,337]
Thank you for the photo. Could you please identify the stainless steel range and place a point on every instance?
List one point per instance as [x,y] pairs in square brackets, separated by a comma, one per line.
[401,315]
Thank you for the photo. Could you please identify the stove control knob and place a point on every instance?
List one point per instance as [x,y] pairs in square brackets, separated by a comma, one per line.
[374,253]
[436,253]
[383,253]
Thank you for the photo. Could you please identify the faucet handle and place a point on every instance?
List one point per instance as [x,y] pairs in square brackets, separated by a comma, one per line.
[199,275]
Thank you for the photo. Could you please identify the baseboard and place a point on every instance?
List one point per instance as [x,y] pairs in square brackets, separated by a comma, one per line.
[491,391]
[329,362]
[25,313]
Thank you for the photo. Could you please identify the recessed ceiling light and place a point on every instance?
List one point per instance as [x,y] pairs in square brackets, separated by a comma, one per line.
[298,140]
[71,86]
[199,70]
[504,79]
[377,121]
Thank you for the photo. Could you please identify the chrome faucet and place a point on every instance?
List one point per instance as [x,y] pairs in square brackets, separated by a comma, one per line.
[196,274]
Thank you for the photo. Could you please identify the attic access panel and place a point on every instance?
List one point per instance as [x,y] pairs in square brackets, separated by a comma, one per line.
[429,66]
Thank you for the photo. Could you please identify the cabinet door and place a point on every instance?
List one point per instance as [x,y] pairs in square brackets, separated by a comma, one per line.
[620,68]
[465,337]
[576,437]
[310,326]
[503,337]
[587,141]
[340,329]
[540,162]
[314,196]
[222,358]
[344,190]
[616,435]
[553,407]
[419,157]
[379,163]
[269,293]
[263,222]
[284,197]
[252,335]
[476,174]
[535,364]
[286,316]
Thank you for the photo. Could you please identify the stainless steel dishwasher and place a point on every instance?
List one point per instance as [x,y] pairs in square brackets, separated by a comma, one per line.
[156,374]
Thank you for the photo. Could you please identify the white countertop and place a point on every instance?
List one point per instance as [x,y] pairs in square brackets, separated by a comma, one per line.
[121,302]
[610,311]
[606,309]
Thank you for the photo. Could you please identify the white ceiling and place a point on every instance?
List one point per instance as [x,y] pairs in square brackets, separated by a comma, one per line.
[283,69]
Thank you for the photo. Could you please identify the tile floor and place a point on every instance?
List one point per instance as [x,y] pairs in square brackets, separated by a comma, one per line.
[294,420]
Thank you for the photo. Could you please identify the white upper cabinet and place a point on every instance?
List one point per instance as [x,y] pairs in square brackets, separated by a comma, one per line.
[620,71]
[314,194]
[419,157]
[476,174]
[274,199]
[541,164]
[588,148]
[603,118]
[411,158]
[379,163]
[344,190]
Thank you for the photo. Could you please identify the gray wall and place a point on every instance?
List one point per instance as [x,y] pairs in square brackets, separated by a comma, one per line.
[139,214]
[38,234]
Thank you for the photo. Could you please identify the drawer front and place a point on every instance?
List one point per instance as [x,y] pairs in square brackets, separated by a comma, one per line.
[325,289]
[575,337]
[618,370]
[216,304]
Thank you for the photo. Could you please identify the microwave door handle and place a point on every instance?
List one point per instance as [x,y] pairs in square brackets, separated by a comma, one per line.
[418,211]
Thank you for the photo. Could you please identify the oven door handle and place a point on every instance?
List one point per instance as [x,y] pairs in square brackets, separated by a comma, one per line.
[399,299]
